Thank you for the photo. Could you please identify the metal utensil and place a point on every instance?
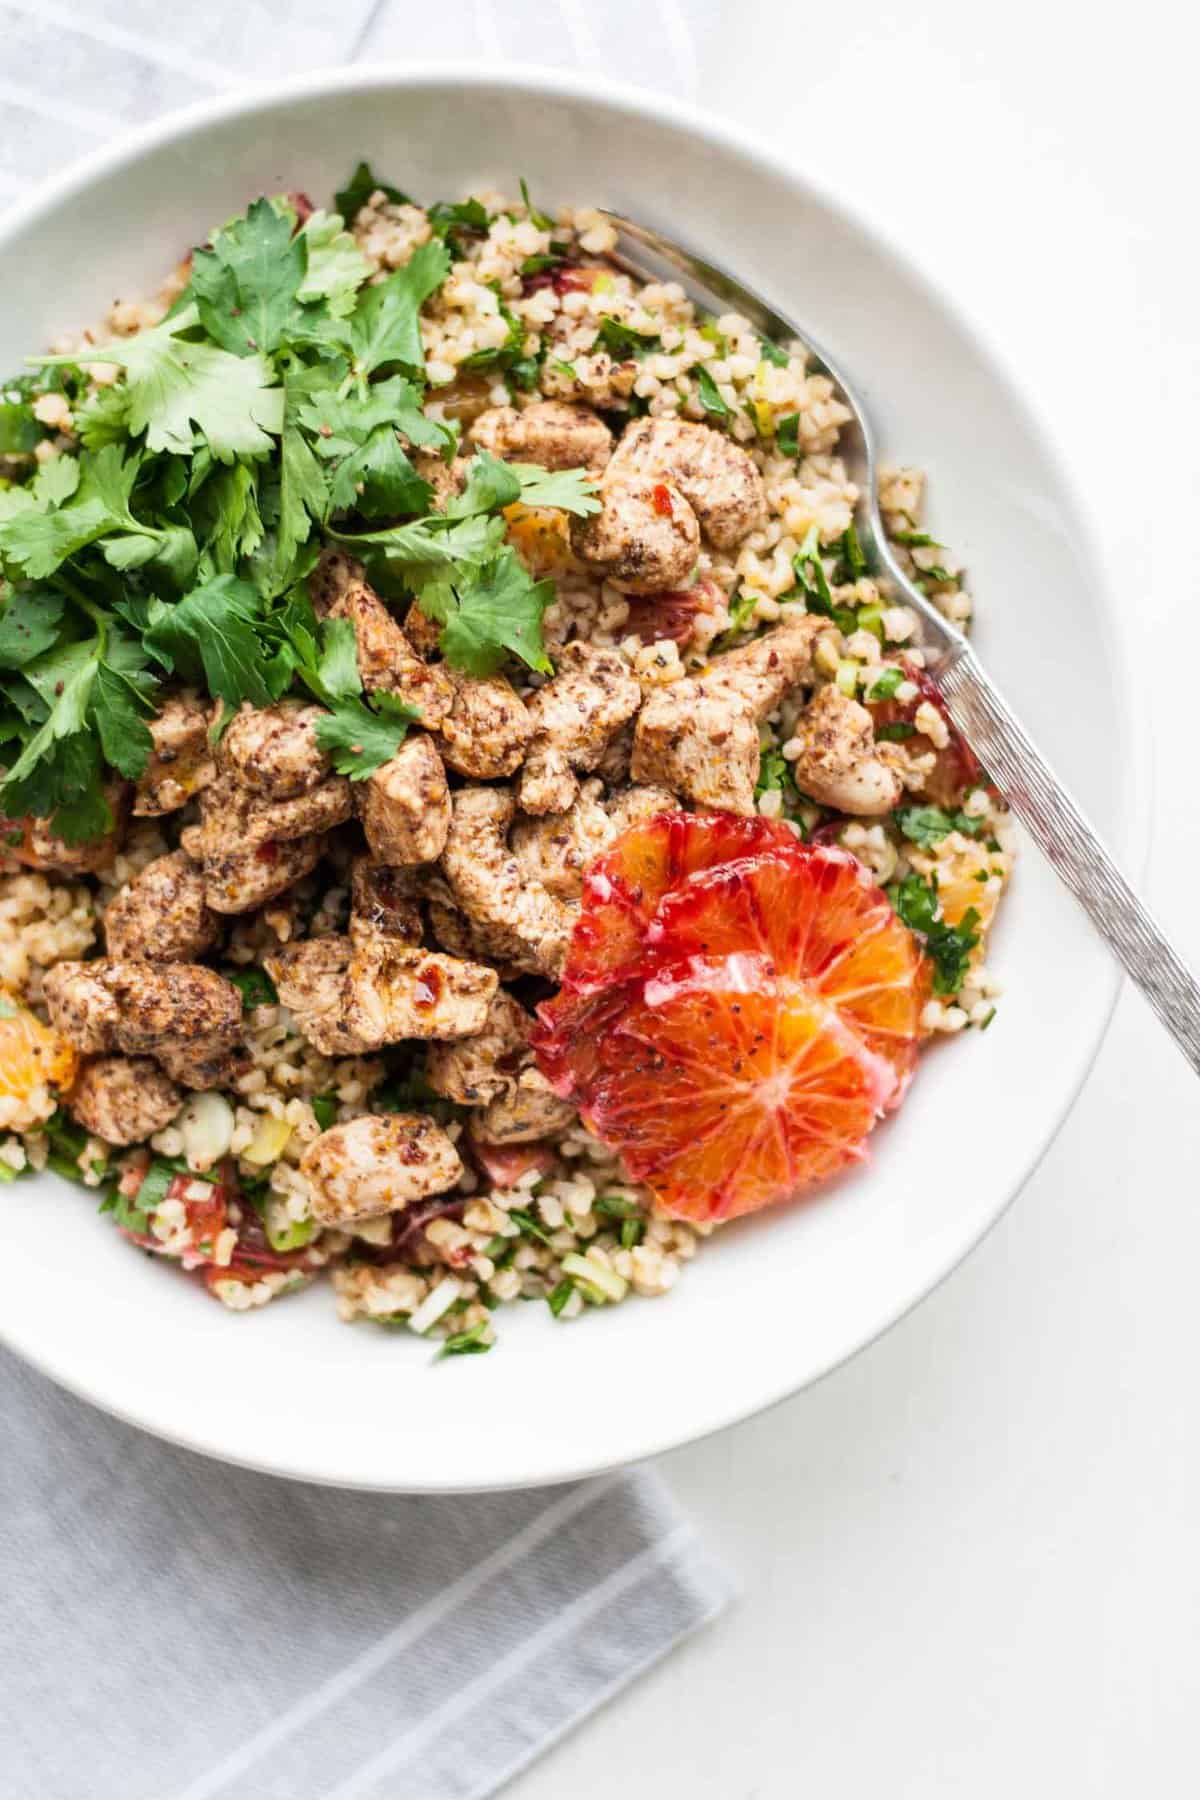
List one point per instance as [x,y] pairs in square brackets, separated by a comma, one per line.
[978,709]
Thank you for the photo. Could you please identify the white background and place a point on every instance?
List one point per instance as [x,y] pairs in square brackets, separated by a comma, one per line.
[970,1558]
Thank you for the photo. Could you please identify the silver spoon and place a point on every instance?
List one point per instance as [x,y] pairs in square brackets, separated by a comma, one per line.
[986,721]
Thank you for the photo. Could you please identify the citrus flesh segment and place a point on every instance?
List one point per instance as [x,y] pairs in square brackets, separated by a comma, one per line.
[33,1056]
[726,1089]
[623,888]
[736,1012]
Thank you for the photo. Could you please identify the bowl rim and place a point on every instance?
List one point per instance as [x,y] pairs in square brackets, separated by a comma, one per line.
[1130,698]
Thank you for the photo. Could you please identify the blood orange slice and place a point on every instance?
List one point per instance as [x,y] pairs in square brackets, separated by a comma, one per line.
[726,1088]
[623,888]
[737,1011]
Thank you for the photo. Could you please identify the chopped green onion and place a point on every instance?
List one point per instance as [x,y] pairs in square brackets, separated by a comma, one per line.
[887,684]
[468,1343]
[895,731]
[594,1279]
[559,1296]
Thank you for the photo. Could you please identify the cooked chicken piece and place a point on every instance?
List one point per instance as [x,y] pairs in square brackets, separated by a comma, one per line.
[488,728]
[716,476]
[700,738]
[840,764]
[645,538]
[551,433]
[273,750]
[405,805]
[240,881]
[181,761]
[32,844]
[382,903]
[764,670]
[251,849]
[470,938]
[422,632]
[185,1016]
[480,1068]
[591,696]
[398,991]
[445,478]
[81,1006]
[489,884]
[123,1099]
[557,849]
[613,766]
[387,661]
[352,997]
[335,574]
[704,748]
[630,805]
[310,979]
[377,1164]
[608,384]
[161,915]
[521,1115]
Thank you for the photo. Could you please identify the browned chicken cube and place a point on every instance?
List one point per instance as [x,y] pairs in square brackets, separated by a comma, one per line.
[123,1099]
[405,805]
[181,762]
[273,750]
[377,1164]
[161,915]
[645,538]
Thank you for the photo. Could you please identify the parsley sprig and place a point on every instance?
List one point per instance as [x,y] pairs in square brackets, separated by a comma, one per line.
[282,402]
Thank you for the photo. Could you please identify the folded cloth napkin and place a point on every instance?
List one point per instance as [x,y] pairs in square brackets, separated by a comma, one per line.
[175,1629]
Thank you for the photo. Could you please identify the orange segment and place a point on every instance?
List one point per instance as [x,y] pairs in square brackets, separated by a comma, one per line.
[726,1090]
[32,1055]
[736,1012]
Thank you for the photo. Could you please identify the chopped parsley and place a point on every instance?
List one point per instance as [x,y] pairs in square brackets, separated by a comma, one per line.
[467,1343]
[253,984]
[281,403]
[787,434]
[622,341]
[895,731]
[948,947]
[325,1108]
[774,353]
[926,826]
[559,1296]
[711,398]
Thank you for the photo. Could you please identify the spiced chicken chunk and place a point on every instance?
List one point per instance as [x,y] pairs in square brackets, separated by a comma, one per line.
[377,1165]
[123,1099]
[161,914]
[184,1015]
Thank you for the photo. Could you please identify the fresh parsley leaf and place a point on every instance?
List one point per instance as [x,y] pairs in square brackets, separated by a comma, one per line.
[337,670]
[926,826]
[325,1109]
[949,947]
[357,739]
[29,624]
[385,327]
[212,632]
[774,353]
[895,731]
[120,711]
[336,267]
[351,199]
[774,773]
[489,612]
[622,341]
[177,387]
[103,417]
[253,984]
[245,286]
[450,217]
[571,490]
[540,219]
[373,475]
[558,1298]
[710,395]
[787,434]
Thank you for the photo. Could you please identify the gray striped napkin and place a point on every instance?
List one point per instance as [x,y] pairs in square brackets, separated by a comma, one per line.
[178,1630]
[175,1629]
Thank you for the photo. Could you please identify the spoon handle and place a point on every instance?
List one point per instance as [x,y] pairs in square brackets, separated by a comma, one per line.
[1072,847]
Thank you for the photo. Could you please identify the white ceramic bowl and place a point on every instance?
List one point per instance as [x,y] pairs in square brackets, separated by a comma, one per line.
[778,1301]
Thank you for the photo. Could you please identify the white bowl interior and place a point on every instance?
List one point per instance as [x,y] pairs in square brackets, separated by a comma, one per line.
[776,1302]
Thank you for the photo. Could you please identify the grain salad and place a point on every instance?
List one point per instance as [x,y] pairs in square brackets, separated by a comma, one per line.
[473,820]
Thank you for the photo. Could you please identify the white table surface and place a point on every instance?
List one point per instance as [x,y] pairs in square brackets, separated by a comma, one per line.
[970,1558]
